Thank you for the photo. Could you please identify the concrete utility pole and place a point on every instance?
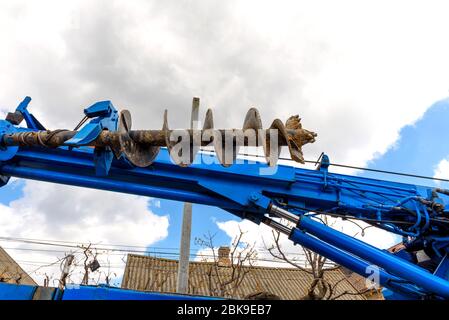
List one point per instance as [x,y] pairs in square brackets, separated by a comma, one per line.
[182,284]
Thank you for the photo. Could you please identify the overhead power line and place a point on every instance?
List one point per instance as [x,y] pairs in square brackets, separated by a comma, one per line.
[151,252]
[161,253]
[411,175]
[101,246]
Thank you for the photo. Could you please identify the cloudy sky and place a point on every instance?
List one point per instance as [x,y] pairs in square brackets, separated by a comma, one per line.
[370,79]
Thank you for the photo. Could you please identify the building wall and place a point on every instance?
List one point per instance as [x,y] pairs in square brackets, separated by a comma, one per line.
[11,272]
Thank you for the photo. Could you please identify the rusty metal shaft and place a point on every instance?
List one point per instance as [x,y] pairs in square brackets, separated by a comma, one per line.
[56,138]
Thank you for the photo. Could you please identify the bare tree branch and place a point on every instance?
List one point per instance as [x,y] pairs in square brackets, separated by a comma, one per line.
[225,280]
[320,288]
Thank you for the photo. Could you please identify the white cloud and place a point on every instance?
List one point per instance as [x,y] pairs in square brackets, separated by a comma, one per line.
[254,235]
[355,72]
[262,236]
[57,212]
[441,170]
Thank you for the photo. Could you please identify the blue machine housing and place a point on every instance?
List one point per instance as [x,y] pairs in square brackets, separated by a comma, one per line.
[417,213]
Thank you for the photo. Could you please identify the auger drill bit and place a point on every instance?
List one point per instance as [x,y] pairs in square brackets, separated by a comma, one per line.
[141,147]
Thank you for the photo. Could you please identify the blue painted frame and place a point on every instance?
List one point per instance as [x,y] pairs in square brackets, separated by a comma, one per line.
[405,209]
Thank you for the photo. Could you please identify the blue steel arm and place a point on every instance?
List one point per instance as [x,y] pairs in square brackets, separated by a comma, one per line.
[417,213]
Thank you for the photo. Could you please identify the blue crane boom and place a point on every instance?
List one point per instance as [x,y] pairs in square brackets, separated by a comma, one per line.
[93,157]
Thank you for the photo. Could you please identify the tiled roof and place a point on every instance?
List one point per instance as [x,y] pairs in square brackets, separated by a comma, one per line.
[11,272]
[158,274]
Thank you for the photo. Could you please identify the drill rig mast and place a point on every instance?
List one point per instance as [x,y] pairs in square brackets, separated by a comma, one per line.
[104,153]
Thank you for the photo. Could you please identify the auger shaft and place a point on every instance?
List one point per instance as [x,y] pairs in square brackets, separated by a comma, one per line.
[157,138]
